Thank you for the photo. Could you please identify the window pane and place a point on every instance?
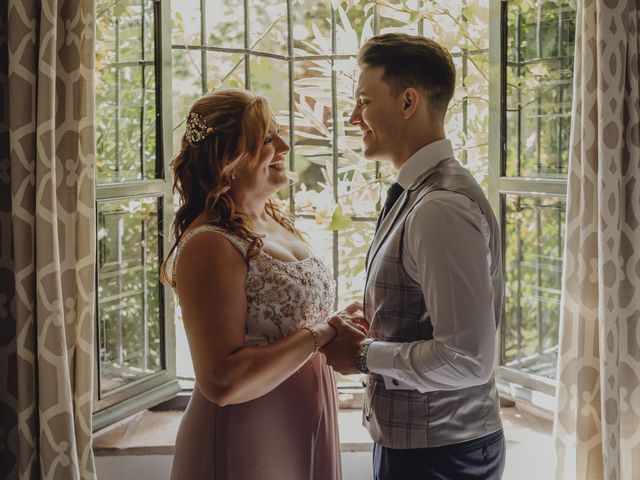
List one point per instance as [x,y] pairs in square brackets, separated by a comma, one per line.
[128,26]
[311,22]
[270,77]
[313,136]
[121,29]
[354,25]
[534,234]
[129,309]
[353,245]
[225,70]
[539,86]
[268,26]
[125,91]
[399,18]
[224,23]
[187,87]
[185,22]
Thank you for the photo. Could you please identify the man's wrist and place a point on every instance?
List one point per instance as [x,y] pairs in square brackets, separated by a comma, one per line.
[361,356]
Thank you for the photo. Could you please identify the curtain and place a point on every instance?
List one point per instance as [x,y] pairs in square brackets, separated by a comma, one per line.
[597,422]
[47,154]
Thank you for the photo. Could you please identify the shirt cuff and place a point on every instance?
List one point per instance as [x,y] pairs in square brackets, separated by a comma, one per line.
[380,357]
[380,360]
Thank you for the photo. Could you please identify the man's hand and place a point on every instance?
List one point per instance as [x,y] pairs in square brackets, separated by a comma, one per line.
[341,351]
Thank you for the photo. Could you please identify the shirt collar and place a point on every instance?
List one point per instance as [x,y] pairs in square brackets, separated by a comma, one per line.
[424,159]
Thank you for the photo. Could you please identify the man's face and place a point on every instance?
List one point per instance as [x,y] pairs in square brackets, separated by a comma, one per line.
[378,113]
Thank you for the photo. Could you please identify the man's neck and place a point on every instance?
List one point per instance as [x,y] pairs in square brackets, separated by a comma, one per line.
[412,145]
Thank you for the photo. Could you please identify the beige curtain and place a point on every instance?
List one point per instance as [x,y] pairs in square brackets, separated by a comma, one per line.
[597,423]
[47,250]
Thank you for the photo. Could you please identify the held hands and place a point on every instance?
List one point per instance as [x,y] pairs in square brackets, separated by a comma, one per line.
[351,330]
[354,316]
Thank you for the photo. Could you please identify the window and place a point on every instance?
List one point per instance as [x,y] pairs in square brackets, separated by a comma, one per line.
[301,55]
[538,40]
[508,121]
[134,206]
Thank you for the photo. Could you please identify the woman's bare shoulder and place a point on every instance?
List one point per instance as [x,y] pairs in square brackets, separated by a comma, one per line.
[206,255]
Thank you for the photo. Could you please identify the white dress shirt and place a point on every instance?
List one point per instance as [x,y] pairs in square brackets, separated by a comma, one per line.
[446,251]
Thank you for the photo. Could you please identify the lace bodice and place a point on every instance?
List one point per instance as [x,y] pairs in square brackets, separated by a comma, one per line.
[282,297]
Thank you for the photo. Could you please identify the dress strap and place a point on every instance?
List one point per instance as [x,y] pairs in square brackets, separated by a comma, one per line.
[241,245]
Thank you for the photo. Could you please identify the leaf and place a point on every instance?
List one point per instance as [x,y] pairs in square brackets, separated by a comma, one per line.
[119,10]
[339,221]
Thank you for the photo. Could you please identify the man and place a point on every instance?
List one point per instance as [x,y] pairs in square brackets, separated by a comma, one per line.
[434,289]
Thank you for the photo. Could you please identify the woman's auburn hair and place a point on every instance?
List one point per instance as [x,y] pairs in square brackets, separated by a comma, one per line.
[202,173]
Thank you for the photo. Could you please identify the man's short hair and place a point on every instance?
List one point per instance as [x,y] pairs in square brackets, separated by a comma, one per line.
[412,61]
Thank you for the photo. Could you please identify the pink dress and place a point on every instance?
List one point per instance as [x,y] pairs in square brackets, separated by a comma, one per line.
[291,433]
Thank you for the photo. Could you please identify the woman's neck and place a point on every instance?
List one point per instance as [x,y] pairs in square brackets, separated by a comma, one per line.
[252,206]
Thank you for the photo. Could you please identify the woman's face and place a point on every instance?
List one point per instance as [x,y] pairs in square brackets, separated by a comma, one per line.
[270,174]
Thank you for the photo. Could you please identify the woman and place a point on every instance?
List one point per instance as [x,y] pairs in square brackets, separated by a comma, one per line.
[254,304]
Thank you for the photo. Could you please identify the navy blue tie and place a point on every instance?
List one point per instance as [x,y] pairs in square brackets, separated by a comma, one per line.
[394,192]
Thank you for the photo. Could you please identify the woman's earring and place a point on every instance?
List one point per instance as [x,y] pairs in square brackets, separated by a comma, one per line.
[234,175]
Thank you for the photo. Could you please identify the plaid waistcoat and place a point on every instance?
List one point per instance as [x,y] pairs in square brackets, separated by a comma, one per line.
[396,310]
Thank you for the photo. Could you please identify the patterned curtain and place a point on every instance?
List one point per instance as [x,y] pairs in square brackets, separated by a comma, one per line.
[46,246]
[597,423]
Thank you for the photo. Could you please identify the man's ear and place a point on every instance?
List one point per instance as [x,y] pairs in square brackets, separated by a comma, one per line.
[410,101]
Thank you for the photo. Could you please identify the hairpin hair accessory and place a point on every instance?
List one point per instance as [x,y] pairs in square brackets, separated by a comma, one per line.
[196,130]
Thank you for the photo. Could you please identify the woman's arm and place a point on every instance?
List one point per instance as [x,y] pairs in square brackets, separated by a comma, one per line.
[210,279]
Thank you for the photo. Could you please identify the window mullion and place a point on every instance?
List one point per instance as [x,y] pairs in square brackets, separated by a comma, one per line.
[203,42]
[292,124]
[143,87]
[247,55]
[497,102]
[335,153]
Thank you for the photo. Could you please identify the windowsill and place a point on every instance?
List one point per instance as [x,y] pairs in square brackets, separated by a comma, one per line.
[154,433]
[528,393]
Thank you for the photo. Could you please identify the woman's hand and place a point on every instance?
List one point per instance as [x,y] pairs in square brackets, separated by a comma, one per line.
[341,352]
[325,331]
[353,315]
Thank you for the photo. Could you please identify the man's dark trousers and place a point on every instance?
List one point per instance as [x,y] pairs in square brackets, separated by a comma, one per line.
[478,459]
